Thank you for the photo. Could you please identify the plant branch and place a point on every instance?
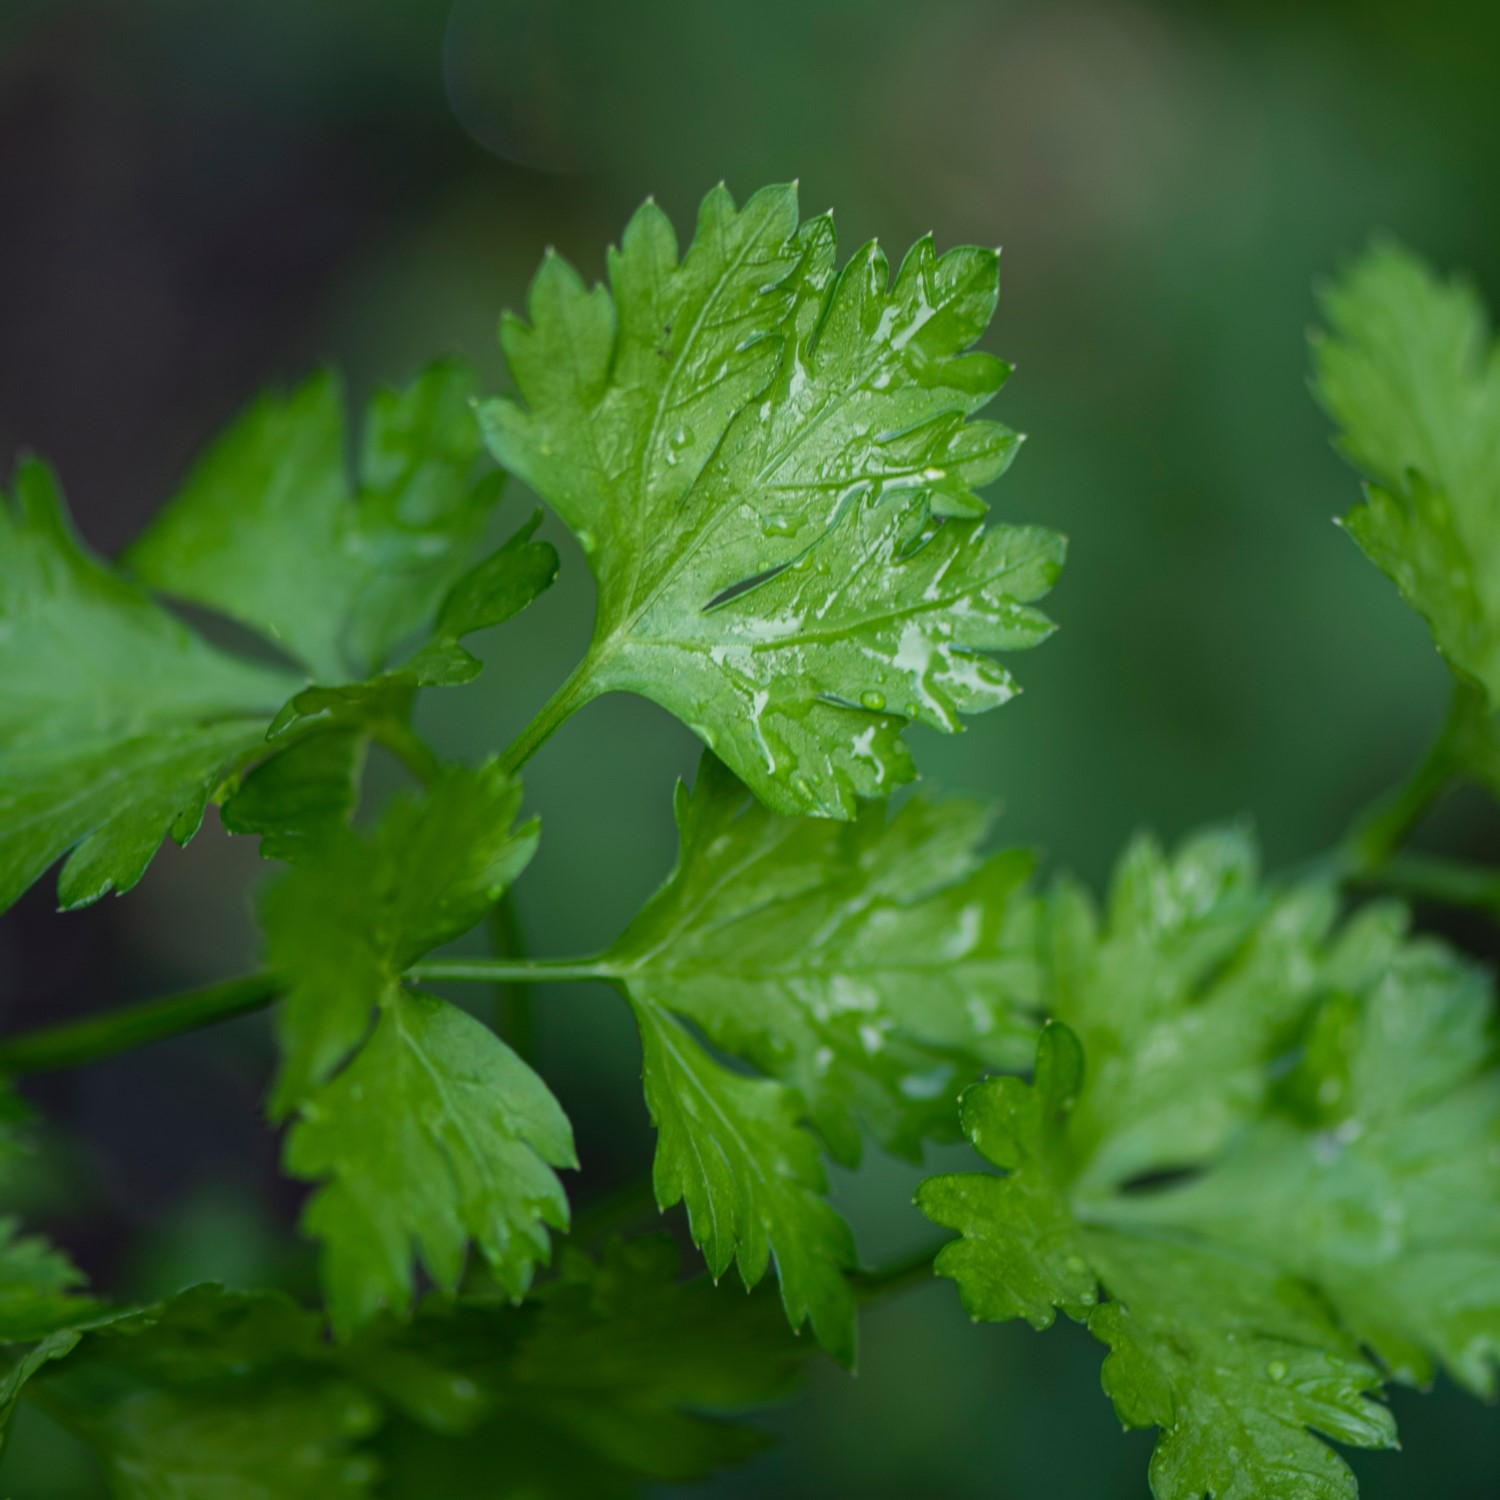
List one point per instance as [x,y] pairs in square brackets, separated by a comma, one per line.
[553,714]
[899,1276]
[507,970]
[410,749]
[1425,877]
[53,1048]
[517,1004]
[1379,831]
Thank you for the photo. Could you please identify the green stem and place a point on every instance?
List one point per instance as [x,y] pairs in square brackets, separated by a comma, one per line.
[517,1004]
[553,714]
[1427,877]
[1384,826]
[56,1047]
[507,970]
[410,749]
[899,1276]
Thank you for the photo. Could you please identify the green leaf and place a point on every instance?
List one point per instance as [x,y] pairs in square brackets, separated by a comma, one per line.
[875,966]
[270,529]
[298,802]
[117,724]
[1192,983]
[612,1374]
[1410,375]
[1238,1367]
[39,1285]
[1023,1252]
[1253,1227]
[38,1288]
[215,1395]
[434,1132]
[344,929]
[1232,1360]
[771,468]
[733,1149]
[491,592]
[121,724]
[1379,1178]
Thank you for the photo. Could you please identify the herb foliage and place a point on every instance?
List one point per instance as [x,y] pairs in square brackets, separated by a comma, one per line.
[1246,1129]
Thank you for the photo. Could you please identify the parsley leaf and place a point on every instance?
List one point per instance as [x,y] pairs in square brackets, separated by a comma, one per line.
[1379,1177]
[1410,375]
[209,1393]
[344,930]
[117,724]
[120,723]
[490,593]
[269,529]
[612,1374]
[1351,1204]
[38,1288]
[771,468]
[733,1149]
[875,966]
[297,802]
[1192,982]
[434,1132]
[40,1296]
[870,969]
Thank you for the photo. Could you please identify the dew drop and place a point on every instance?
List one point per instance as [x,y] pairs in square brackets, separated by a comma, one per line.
[680,438]
[587,540]
[802,788]
[873,700]
[1076,1265]
[1277,1370]
[778,525]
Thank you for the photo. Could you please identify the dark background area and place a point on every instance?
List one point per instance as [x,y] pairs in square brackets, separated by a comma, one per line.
[198,199]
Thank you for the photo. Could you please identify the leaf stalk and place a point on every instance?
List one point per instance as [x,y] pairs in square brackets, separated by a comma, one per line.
[507,970]
[580,688]
[54,1048]
[1450,882]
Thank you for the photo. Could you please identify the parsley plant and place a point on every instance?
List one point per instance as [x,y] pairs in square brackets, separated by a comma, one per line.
[1244,1128]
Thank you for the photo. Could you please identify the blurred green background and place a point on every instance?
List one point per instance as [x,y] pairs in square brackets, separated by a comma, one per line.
[198,199]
